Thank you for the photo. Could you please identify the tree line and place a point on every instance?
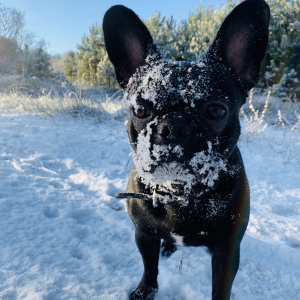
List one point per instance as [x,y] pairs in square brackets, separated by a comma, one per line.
[189,40]
[185,40]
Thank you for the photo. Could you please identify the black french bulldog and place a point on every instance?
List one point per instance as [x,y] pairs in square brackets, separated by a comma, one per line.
[184,129]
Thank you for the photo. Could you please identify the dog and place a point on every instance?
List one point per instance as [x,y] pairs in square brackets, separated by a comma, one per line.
[183,129]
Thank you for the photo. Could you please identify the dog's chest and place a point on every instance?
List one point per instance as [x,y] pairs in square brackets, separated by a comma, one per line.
[192,225]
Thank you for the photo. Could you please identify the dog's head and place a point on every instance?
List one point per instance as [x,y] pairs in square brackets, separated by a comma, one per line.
[184,121]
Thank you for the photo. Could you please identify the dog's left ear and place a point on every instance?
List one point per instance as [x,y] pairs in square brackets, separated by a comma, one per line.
[242,40]
[128,42]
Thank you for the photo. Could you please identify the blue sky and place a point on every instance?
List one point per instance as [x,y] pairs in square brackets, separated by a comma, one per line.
[62,23]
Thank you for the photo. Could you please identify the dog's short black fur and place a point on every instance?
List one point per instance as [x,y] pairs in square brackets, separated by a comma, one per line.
[185,118]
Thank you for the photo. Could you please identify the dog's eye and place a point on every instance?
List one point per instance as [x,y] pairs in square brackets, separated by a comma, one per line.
[215,112]
[140,111]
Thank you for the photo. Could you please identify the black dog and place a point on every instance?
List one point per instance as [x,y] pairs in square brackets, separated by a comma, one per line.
[184,129]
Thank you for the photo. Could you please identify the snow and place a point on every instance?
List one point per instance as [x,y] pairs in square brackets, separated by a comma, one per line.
[206,167]
[178,239]
[161,79]
[64,235]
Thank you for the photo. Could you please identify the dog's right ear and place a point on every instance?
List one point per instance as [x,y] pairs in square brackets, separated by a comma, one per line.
[128,42]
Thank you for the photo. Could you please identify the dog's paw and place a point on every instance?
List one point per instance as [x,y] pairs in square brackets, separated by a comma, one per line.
[167,248]
[141,294]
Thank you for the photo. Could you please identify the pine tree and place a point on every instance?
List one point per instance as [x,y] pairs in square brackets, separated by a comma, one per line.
[164,32]
[201,28]
[70,66]
[281,67]
[40,63]
[106,72]
[188,39]
[89,54]
[24,60]
[33,60]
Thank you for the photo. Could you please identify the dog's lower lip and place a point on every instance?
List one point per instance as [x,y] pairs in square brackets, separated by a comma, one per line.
[176,159]
[172,187]
[177,182]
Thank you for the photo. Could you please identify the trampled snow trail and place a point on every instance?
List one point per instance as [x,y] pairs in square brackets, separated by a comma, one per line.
[64,236]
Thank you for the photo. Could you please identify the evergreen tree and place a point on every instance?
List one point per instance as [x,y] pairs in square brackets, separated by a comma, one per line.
[164,33]
[24,60]
[40,63]
[201,28]
[89,54]
[106,72]
[188,39]
[281,67]
[33,60]
[70,66]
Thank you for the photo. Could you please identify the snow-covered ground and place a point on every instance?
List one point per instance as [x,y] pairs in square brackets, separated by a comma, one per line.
[63,235]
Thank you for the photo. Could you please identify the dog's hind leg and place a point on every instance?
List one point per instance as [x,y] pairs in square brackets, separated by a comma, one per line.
[225,264]
[167,248]
[149,248]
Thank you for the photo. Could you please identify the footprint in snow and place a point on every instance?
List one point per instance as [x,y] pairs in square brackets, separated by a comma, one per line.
[56,184]
[50,212]
[293,242]
[82,215]
[76,253]
[286,210]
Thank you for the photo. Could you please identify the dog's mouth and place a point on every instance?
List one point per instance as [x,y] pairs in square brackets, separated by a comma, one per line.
[166,170]
[171,188]
[171,194]
[175,180]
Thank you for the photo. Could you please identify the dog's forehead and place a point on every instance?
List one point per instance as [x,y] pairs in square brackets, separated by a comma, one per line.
[165,82]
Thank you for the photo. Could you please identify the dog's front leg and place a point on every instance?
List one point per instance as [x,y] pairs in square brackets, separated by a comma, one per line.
[225,264]
[149,248]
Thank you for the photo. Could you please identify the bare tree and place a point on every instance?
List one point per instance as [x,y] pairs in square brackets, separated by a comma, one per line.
[11,27]
[12,22]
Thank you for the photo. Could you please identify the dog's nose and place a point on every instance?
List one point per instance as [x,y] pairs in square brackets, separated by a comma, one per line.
[173,128]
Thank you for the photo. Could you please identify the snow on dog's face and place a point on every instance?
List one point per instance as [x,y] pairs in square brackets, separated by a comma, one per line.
[167,83]
[174,150]
[175,177]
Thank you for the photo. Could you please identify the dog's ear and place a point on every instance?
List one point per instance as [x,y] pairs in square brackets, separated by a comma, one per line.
[242,40]
[128,42]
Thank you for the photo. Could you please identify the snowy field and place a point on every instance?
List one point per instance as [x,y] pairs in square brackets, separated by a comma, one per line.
[63,235]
